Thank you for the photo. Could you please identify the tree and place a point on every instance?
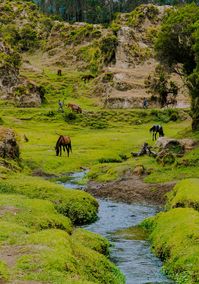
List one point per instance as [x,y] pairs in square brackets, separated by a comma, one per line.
[160,86]
[177,46]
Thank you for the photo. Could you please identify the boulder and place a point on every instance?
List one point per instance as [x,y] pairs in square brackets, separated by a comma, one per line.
[173,145]
[139,170]
[8,144]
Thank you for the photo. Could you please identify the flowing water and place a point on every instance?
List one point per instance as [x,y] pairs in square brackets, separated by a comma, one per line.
[130,251]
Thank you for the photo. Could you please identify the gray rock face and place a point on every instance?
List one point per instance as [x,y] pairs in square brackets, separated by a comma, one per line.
[13,87]
[9,147]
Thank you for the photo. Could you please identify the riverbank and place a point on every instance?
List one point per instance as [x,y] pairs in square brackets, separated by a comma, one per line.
[131,189]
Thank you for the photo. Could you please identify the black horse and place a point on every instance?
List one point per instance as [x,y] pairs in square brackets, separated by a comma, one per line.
[65,142]
[156,129]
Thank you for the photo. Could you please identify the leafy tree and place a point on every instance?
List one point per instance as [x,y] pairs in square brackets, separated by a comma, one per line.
[161,87]
[177,46]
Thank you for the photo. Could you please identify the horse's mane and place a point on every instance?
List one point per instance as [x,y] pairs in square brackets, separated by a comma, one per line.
[57,144]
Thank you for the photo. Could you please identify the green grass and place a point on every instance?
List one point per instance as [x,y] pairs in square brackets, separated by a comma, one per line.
[79,206]
[91,240]
[185,194]
[27,212]
[52,256]
[174,236]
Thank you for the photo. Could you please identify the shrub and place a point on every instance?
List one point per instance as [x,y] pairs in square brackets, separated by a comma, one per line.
[108,46]
[28,38]
[109,160]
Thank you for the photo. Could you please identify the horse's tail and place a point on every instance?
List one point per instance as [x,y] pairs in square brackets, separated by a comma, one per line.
[161,131]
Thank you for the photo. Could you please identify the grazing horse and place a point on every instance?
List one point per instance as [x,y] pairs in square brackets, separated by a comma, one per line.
[75,108]
[65,142]
[59,72]
[156,129]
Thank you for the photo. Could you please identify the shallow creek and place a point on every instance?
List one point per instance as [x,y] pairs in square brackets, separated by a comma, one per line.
[130,251]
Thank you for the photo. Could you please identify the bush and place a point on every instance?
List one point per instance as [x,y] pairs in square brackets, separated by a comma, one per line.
[69,117]
[109,160]
[108,48]
[28,38]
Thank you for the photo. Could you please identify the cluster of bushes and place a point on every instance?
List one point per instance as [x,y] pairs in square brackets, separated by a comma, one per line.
[138,15]
[22,25]
[167,115]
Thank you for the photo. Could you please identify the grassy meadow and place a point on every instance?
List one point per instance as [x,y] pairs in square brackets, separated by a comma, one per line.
[51,248]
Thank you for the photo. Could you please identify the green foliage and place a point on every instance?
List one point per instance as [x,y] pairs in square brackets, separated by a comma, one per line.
[137,16]
[160,85]
[174,236]
[11,60]
[108,46]
[28,38]
[109,160]
[167,115]
[177,44]
[22,25]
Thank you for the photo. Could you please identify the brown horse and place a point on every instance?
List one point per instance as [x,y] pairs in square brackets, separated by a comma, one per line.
[75,108]
[65,142]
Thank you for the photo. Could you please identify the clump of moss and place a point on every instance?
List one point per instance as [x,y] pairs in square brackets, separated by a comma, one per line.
[59,261]
[27,212]
[79,206]
[91,240]
[174,236]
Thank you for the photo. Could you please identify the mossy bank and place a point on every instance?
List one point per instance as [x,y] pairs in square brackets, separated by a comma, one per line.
[174,234]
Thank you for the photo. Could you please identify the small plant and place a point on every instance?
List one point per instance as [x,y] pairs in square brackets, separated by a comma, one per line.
[123,157]
[68,117]
[109,160]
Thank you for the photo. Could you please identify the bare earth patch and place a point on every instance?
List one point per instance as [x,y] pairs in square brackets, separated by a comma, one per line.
[131,189]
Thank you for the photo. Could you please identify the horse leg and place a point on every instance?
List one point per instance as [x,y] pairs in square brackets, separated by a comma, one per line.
[155,135]
[60,151]
[67,149]
[70,147]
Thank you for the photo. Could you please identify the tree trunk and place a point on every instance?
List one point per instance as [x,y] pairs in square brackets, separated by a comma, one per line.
[195,113]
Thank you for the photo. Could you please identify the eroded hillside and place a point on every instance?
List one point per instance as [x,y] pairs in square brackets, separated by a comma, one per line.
[117,58]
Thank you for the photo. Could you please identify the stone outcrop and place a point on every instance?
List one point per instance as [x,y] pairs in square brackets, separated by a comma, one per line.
[135,60]
[179,144]
[9,147]
[13,87]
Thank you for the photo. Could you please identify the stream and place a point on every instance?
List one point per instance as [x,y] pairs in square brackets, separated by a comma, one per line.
[129,251]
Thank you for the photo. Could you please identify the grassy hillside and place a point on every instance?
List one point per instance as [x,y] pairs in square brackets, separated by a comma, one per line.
[50,249]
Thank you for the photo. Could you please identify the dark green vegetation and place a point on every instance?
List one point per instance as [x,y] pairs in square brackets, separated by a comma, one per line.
[94,11]
[174,234]
[177,48]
